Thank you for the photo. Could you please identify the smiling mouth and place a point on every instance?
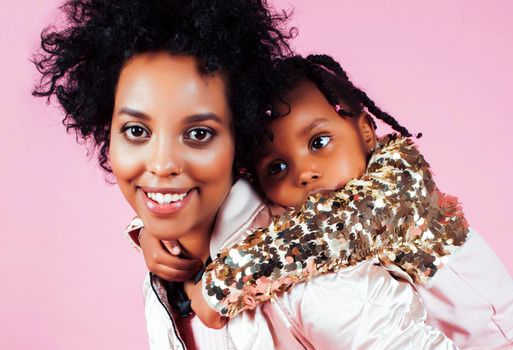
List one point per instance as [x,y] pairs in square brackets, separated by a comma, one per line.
[166,198]
[166,201]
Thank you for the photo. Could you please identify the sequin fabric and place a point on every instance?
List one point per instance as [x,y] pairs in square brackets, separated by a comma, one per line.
[394,213]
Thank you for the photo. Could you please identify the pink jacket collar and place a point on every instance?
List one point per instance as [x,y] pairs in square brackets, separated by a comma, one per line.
[236,216]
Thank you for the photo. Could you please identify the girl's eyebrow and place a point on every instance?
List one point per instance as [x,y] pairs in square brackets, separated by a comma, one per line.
[310,126]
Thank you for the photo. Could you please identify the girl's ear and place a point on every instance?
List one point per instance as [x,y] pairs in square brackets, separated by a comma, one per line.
[367,131]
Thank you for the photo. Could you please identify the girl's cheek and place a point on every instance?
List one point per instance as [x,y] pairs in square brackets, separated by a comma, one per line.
[282,194]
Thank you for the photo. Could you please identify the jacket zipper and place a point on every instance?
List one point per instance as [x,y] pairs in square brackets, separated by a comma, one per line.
[169,315]
[228,341]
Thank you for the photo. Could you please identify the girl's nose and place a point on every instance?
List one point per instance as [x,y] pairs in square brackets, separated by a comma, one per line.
[165,159]
[308,177]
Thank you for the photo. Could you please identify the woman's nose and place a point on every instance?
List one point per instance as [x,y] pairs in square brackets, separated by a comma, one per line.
[164,159]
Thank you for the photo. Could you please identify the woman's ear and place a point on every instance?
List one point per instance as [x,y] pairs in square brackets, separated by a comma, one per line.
[367,131]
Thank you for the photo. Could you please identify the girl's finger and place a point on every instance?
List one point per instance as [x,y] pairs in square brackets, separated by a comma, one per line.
[173,247]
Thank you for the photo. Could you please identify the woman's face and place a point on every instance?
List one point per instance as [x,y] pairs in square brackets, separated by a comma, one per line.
[171,143]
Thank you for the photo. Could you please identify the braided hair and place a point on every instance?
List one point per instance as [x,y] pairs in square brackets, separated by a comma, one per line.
[331,80]
[334,83]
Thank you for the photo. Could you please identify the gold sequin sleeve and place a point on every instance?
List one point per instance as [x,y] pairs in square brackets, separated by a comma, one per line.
[394,213]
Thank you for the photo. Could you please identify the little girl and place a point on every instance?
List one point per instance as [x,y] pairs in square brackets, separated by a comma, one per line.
[385,208]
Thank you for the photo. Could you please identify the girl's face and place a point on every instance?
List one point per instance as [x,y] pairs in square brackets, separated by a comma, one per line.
[171,143]
[313,148]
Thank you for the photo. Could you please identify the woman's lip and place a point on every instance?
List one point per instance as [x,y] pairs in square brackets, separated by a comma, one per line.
[165,190]
[166,209]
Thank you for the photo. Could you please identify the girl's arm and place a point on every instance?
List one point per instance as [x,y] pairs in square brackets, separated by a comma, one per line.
[162,258]
[208,316]
[394,212]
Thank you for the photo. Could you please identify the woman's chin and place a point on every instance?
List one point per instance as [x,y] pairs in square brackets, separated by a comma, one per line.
[162,230]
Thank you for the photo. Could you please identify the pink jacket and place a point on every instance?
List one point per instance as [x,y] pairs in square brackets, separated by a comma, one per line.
[471,298]
[361,307]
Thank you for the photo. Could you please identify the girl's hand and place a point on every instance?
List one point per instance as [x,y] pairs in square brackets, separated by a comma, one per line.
[162,259]
[208,316]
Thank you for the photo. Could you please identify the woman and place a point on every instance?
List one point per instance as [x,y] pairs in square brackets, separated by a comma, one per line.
[162,89]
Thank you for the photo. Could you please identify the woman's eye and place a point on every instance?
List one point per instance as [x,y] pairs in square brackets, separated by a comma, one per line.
[135,132]
[320,142]
[200,135]
[276,168]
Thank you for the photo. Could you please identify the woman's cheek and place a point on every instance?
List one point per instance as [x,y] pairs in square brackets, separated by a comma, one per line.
[215,165]
[127,165]
[120,163]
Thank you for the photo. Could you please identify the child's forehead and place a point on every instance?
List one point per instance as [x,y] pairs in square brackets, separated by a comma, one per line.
[305,95]
[304,90]
[299,118]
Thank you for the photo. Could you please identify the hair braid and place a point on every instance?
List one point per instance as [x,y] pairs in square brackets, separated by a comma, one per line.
[378,113]
[318,75]
[329,63]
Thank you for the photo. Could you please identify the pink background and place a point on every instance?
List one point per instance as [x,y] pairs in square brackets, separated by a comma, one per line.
[71,281]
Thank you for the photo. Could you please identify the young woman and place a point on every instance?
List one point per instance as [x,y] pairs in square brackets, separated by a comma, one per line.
[160,87]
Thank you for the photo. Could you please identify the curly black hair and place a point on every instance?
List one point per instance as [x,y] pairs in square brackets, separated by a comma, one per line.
[80,63]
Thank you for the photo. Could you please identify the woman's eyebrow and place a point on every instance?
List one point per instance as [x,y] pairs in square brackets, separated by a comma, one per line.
[196,118]
[133,113]
[310,126]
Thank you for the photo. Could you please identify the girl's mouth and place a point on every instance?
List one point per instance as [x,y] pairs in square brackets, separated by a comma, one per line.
[165,201]
[322,191]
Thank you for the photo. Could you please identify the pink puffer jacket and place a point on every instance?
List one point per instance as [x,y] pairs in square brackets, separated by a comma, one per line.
[361,307]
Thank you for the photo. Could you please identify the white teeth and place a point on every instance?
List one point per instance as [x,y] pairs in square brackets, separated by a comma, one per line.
[167,198]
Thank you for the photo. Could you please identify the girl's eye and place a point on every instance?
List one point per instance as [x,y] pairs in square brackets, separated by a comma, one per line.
[276,167]
[319,142]
[135,132]
[200,135]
